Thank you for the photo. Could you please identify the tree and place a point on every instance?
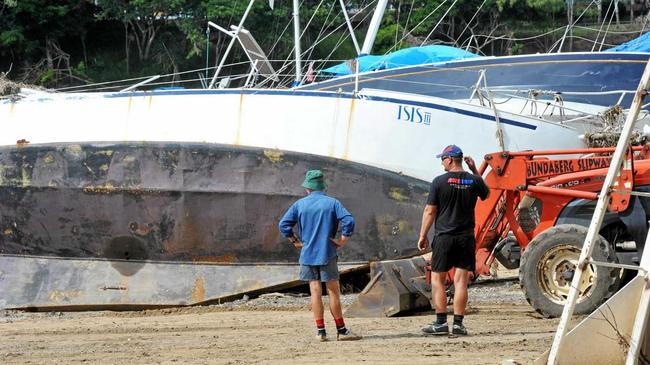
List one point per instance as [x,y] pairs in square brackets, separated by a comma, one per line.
[143,19]
[33,29]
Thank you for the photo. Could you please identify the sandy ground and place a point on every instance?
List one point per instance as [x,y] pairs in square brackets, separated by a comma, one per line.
[274,329]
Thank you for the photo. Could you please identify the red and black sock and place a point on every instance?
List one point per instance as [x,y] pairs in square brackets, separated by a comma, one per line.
[320,325]
[340,325]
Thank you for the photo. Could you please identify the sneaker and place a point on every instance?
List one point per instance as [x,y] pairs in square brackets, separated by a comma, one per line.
[459,329]
[347,336]
[321,337]
[436,329]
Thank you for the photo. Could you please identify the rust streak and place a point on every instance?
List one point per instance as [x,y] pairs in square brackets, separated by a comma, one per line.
[22,143]
[347,135]
[125,292]
[227,258]
[239,119]
[334,124]
[186,236]
[198,290]
[59,296]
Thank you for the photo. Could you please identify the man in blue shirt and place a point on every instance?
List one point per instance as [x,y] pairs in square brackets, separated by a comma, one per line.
[318,217]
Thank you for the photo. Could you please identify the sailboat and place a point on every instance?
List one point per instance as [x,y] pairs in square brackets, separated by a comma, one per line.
[591,81]
[171,197]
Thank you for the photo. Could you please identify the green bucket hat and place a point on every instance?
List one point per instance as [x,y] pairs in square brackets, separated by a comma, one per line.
[314,180]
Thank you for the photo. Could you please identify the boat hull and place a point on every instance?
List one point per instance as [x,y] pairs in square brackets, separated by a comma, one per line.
[49,283]
[589,74]
[93,216]
[391,131]
[195,194]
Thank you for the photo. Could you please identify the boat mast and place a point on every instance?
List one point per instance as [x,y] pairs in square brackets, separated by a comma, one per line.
[347,20]
[232,42]
[296,36]
[374,27]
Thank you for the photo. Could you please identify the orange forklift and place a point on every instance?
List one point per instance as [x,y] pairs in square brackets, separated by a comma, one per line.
[536,219]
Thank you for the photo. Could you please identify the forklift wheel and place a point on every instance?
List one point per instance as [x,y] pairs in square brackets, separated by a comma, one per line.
[548,265]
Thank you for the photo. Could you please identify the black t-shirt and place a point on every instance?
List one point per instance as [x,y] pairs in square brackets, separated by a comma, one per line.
[455,194]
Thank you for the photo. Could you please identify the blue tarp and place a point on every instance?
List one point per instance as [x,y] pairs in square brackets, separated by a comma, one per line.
[640,44]
[403,57]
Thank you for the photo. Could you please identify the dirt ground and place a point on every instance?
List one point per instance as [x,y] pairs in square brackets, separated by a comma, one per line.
[275,329]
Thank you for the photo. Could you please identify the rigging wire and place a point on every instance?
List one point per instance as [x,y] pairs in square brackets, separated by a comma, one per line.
[300,37]
[399,9]
[470,21]
[437,24]
[569,26]
[602,24]
[282,34]
[408,18]
[606,30]
[420,23]
[322,28]
[342,38]
[612,31]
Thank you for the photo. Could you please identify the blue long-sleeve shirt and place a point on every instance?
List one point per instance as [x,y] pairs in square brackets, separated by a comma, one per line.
[318,217]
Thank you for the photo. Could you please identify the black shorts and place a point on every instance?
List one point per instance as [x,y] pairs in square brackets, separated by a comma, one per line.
[449,251]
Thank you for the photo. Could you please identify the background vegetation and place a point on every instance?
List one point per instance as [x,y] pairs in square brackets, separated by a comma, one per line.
[59,43]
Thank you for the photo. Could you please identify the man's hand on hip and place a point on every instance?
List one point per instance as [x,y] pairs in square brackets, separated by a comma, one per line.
[340,242]
[423,243]
[297,243]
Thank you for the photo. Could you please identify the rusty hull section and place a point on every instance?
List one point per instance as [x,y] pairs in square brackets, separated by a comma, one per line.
[175,223]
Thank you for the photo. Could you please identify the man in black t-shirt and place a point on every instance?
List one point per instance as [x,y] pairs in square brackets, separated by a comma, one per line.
[452,198]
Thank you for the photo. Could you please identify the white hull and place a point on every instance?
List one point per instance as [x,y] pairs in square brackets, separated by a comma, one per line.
[393,131]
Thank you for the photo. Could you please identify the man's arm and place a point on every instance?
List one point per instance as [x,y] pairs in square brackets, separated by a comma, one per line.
[347,225]
[286,224]
[428,217]
[471,164]
[484,191]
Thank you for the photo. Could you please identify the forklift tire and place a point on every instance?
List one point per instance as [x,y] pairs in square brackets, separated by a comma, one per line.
[548,264]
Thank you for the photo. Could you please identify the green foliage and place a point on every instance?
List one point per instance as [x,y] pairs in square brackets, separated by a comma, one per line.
[385,40]
[547,6]
[47,76]
[80,68]
[517,48]
[420,15]
[26,25]
[162,35]
[11,37]
[194,35]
